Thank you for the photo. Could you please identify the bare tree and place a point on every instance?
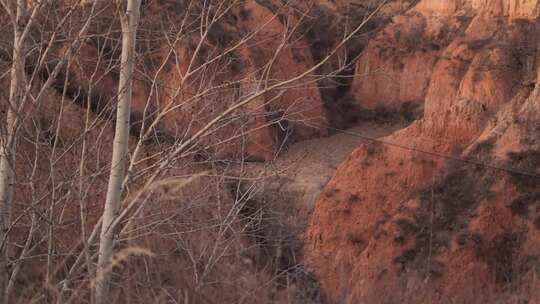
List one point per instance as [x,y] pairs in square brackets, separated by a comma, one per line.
[129,21]
[7,149]
[26,91]
[18,13]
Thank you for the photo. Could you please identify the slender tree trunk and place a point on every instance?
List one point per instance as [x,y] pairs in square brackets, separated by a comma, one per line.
[120,150]
[8,142]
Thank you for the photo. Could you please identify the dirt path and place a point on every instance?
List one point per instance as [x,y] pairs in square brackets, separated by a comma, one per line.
[300,173]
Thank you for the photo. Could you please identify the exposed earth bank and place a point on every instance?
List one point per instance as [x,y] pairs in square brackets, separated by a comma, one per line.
[449,213]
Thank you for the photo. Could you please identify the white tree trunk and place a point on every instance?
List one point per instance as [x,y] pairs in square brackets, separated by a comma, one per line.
[120,151]
[8,141]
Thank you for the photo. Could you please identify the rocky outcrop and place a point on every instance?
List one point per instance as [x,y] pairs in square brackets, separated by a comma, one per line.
[403,215]
[398,66]
[253,66]
[194,80]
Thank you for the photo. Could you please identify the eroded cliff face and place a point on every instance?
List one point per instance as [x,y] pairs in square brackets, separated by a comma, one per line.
[403,220]
[193,78]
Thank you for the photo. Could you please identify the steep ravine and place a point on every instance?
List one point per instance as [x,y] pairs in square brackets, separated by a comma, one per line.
[301,211]
[283,192]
